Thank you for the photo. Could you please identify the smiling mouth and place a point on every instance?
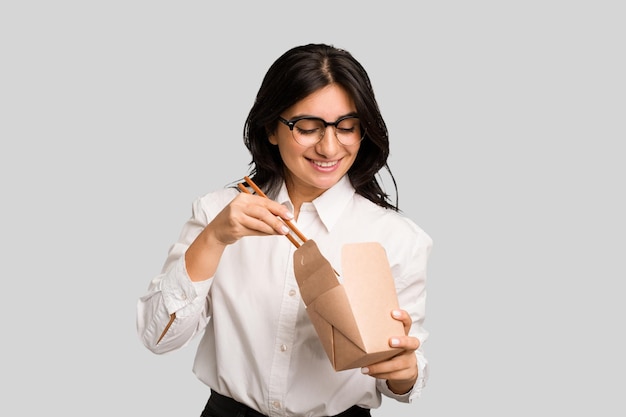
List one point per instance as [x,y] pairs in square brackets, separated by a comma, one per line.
[325,164]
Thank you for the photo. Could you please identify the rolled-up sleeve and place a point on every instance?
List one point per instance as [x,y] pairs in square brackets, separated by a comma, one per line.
[175,309]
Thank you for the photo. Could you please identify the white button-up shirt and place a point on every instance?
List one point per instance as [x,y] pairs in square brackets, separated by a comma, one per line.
[258,345]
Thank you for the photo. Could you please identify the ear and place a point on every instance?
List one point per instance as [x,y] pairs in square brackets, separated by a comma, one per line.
[271,137]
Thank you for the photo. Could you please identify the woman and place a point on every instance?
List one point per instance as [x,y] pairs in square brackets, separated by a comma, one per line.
[317,141]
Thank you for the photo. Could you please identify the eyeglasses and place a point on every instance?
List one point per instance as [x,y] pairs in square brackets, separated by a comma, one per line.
[308,131]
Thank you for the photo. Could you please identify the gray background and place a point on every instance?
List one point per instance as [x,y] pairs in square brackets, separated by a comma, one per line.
[507,130]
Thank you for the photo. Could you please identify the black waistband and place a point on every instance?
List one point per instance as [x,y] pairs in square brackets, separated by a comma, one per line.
[221,406]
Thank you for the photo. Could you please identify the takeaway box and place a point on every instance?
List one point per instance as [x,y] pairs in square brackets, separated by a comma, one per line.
[353,317]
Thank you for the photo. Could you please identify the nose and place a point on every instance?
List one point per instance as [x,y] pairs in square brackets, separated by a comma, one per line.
[329,143]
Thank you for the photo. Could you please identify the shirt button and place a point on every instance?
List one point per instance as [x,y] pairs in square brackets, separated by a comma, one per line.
[276,404]
[292,293]
[283,348]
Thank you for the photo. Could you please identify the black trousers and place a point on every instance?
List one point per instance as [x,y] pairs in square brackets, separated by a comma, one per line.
[222,406]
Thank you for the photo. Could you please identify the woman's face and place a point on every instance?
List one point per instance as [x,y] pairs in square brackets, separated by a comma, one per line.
[314,169]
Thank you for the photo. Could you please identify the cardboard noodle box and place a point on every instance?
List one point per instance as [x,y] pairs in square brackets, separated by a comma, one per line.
[352,319]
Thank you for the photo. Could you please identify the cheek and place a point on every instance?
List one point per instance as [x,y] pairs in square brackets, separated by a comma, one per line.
[288,152]
[286,145]
[355,151]
[282,138]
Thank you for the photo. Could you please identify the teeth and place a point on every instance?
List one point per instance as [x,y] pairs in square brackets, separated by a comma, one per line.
[325,164]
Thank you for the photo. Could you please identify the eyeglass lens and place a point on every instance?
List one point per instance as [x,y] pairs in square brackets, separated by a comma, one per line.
[311,131]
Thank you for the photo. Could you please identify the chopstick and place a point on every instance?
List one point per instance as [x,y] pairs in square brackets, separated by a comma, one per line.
[289,224]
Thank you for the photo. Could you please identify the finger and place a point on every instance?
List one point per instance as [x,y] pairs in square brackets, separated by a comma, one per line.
[260,227]
[405,342]
[274,221]
[258,221]
[258,215]
[282,215]
[402,366]
[403,316]
[276,208]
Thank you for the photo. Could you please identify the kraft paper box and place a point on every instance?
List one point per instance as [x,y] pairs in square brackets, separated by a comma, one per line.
[353,318]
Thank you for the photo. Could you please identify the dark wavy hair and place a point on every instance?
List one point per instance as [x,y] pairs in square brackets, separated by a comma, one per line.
[296,74]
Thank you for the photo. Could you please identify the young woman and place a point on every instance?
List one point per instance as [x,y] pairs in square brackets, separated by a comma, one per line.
[317,141]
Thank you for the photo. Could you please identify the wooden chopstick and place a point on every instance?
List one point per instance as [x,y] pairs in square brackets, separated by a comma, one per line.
[287,222]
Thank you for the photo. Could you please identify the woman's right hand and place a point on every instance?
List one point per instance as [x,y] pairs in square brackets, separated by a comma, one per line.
[245,215]
[249,215]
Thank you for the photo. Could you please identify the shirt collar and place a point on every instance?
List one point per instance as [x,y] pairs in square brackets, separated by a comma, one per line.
[329,205]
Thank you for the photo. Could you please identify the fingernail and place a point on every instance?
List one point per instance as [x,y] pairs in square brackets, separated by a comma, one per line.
[365,370]
[394,342]
[396,313]
[285,229]
[289,215]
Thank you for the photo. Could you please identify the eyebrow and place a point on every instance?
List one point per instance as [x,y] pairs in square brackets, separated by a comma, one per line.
[297,116]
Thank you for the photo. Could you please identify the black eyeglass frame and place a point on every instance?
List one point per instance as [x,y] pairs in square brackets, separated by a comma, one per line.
[292,123]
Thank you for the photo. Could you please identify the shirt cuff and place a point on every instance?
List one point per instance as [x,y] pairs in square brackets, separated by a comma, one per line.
[181,295]
[416,391]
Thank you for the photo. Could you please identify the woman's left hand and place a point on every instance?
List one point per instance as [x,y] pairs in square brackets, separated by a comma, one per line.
[401,370]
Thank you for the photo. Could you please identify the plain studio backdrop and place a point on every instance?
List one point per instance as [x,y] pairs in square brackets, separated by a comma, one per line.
[507,134]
